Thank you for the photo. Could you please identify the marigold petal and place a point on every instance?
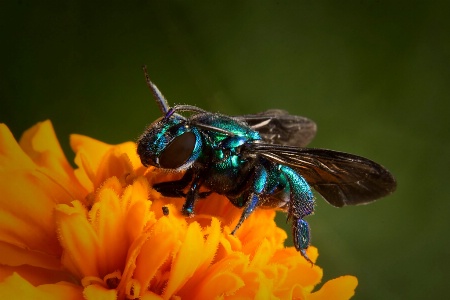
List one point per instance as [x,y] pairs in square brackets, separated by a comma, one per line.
[129,148]
[95,149]
[186,261]
[148,295]
[97,292]
[254,283]
[12,156]
[97,161]
[300,271]
[138,213]
[41,145]
[340,288]
[212,236]
[219,285]
[114,163]
[156,250]
[261,218]
[78,239]
[85,172]
[30,192]
[16,256]
[108,221]
[232,265]
[229,243]
[35,275]
[262,255]
[88,155]
[278,273]
[15,287]
[220,207]
[130,265]
[26,216]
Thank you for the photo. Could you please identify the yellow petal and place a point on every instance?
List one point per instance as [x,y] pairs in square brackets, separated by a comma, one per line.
[12,156]
[150,296]
[114,163]
[98,161]
[35,275]
[93,148]
[209,247]
[15,256]
[186,260]
[262,255]
[341,288]
[137,206]
[219,284]
[131,265]
[109,221]
[88,155]
[41,145]
[30,191]
[252,235]
[158,247]
[26,216]
[299,270]
[222,278]
[79,240]
[15,287]
[97,292]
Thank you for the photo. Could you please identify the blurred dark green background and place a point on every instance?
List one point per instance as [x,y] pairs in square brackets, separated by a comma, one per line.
[374,75]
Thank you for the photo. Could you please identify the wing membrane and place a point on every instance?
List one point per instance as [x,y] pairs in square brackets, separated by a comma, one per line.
[341,178]
[277,126]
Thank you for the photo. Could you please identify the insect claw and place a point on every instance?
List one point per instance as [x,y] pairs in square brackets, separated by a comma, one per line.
[237,226]
[303,253]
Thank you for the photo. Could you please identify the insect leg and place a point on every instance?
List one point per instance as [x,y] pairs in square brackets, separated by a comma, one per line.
[301,235]
[192,195]
[253,196]
[174,188]
[301,204]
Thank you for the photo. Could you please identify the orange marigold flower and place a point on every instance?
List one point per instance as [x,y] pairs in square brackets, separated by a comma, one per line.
[99,232]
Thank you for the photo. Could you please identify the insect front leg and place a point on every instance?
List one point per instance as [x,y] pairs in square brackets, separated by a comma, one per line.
[175,188]
[192,195]
[301,204]
[252,197]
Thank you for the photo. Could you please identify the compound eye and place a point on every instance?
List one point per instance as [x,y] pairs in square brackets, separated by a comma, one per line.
[178,151]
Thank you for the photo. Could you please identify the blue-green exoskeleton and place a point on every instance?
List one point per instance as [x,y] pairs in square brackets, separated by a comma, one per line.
[256,161]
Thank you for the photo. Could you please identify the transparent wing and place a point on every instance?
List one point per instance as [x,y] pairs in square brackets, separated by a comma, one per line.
[277,126]
[341,178]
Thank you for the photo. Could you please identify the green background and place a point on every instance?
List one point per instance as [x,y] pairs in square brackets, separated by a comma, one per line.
[374,76]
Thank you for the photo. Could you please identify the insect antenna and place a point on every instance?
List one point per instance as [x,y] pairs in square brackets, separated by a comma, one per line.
[160,100]
[188,108]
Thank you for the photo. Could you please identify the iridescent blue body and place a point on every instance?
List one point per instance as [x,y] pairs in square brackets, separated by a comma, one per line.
[256,161]
[216,162]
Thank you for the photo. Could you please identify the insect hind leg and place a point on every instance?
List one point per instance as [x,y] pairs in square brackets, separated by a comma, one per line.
[301,236]
[301,204]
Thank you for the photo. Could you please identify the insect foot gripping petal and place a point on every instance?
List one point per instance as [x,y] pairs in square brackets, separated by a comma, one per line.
[300,232]
[252,198]
[248,209]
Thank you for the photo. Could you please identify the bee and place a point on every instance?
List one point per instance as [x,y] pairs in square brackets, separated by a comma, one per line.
[256,161]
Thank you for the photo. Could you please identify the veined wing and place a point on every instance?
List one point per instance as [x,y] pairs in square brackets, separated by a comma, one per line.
[341,178]
[277,126]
